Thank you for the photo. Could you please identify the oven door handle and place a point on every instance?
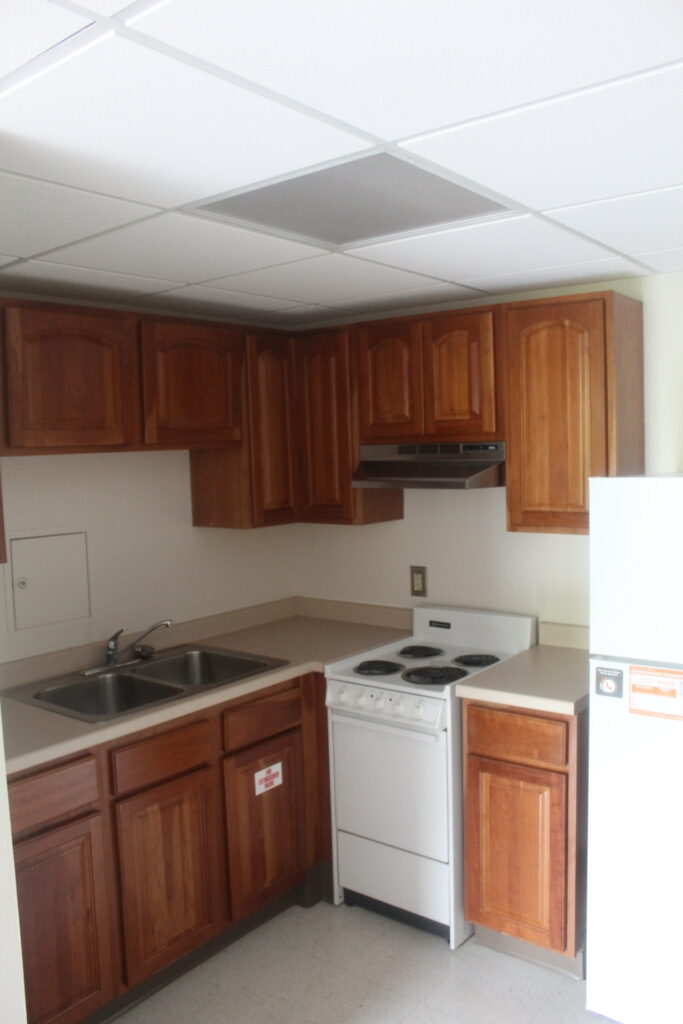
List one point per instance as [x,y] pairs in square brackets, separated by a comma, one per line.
[406,731]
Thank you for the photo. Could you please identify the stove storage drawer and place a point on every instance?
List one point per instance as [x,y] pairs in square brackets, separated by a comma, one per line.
[416,884]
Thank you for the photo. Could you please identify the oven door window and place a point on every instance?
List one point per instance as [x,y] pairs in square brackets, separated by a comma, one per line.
[391,785]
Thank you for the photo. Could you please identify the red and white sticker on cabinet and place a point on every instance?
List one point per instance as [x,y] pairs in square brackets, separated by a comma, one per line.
[268,778]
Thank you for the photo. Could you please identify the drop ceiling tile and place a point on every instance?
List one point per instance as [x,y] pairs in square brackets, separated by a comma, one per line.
[183,249]
[607,142]
[125,120]
[404,68]
[195,298]
[641,223]
[29,27]
[41,278]
[300,316]
[665,262]
[37,216]
[6,259]
[106,7]
[410,297]
[574,273]
[483,250]
[324,279]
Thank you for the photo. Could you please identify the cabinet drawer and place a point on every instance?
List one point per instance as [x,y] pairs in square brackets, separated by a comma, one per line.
[160,757]
[260,719]
[60,792]
[511,736]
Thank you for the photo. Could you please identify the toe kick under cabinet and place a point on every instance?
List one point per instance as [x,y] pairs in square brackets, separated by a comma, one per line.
[132,854]
[524,824]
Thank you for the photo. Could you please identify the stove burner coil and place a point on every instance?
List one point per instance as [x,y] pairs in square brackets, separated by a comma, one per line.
[476,660]
[420,651]
[377,668]
[433,674]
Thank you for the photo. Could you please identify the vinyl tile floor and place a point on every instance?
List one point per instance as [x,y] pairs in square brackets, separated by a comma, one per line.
[347,965]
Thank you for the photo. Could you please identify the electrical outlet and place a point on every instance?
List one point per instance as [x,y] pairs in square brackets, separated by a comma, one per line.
[418,581]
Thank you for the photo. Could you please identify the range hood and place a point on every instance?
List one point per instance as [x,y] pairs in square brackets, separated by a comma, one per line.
[458,466]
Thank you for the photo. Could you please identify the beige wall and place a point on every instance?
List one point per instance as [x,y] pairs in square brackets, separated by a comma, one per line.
[148,562]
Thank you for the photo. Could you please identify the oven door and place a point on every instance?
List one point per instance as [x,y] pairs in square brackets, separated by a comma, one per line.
[391,785]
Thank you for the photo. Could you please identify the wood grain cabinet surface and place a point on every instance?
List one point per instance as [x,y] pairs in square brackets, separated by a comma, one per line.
[328,436]
[430,378]
[192,382]
[525,824]
[574,404]
[72,378]
[128,856]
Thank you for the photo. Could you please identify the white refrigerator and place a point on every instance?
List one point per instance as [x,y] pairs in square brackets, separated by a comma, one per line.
[634,935]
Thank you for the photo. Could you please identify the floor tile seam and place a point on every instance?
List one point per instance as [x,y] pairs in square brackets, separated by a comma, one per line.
[552,995]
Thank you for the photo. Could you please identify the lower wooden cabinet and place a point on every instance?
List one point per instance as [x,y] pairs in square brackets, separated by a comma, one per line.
[264,793]
[523,824]
[172,872]
[129,856]
[64,917]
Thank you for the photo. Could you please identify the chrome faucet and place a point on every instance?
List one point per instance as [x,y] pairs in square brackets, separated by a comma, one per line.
[140,651]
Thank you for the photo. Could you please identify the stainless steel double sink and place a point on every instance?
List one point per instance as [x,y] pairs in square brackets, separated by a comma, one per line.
[169,676]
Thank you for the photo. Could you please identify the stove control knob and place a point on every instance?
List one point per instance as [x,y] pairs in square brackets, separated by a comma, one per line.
[379,702]
[420,711]
[400,706]
[343,696]
[362,700]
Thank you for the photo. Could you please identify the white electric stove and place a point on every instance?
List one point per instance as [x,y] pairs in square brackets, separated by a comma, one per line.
[395,762]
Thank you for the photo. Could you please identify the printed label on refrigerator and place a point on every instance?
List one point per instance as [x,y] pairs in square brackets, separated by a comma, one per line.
[268,778]
[656,691]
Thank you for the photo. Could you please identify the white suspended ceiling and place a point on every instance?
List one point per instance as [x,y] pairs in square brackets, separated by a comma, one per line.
[559,124]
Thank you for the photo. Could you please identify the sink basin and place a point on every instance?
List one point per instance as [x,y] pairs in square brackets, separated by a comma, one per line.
[172,675]
[204,667]
[106,695]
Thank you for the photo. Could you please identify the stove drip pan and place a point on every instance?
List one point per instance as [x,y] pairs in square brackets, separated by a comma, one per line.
[420,651]
[378,668]
[438,675]
[476,660]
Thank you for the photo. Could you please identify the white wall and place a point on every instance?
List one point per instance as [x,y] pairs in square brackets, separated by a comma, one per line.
[147,561]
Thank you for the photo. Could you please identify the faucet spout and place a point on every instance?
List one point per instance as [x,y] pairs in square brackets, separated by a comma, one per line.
[164,624]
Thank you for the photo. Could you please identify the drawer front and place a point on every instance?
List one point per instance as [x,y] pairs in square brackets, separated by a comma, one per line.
[513,736]
[58,793]
[260,719]
[160,757]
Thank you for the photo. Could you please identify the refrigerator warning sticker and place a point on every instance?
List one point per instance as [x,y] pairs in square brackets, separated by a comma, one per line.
[268,778]
[656,691]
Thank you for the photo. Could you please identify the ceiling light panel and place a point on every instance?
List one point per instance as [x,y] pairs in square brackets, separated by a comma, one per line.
[127,121]
[366,198]
[37,216]
[183,249]
[324,279]
[612,141]
[29,27]
[640,223]
[401,68]
[42,278]
[497,247]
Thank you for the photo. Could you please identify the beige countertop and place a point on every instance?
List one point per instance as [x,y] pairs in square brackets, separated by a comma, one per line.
[542,679]
[33,736]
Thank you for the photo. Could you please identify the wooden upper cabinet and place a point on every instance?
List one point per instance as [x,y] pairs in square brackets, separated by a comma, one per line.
[192,383]
[322,360]
[574,405]
[270,374]
[459,381]
[72,378]
[390,380]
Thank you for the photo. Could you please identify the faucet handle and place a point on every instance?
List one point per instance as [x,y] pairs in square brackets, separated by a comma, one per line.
[112,642]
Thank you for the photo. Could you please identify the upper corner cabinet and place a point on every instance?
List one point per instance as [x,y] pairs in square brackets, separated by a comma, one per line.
[432,378]
[192,382]
[574,404]
[72,377]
